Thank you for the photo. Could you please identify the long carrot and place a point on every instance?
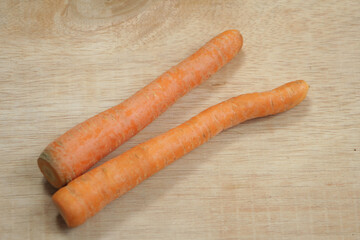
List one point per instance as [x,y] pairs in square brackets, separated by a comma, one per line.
[88,194]
[82,146]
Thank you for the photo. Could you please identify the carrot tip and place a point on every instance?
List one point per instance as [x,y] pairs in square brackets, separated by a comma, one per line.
[50,173]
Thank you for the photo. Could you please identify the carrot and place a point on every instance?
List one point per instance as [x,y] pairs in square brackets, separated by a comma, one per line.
[88,194]
[81,147]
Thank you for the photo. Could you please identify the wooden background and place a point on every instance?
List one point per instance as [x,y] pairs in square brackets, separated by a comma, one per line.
[291,176]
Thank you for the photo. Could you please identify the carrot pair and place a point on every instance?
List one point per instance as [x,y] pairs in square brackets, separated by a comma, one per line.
[89,193]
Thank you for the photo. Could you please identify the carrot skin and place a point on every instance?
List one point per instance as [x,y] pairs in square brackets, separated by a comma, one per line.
[81,147]
[89,193]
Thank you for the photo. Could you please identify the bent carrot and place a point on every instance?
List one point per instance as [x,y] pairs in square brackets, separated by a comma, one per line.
[81,147]
[89,193]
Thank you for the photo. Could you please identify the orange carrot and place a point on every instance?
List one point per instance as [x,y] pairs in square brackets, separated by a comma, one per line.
[89,193]
[82,146]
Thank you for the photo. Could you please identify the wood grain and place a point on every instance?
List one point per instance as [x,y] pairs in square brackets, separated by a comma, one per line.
[291,176]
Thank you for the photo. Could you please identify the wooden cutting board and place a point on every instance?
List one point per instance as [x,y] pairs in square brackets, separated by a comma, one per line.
[290,176]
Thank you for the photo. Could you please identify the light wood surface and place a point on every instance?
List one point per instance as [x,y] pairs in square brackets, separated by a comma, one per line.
[290,176]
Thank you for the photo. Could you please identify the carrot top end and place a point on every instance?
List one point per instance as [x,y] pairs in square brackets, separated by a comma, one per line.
[50,173]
